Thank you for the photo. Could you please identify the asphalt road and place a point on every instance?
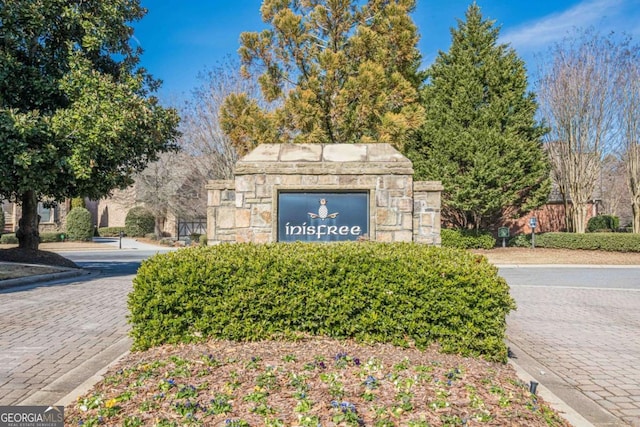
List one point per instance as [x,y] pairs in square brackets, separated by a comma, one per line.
[577,331]
[111,263]
[605,277]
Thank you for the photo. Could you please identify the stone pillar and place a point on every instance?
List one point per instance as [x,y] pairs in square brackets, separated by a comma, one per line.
[221,211]
[426,212]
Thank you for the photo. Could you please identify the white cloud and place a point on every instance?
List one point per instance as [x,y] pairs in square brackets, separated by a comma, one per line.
[615,15]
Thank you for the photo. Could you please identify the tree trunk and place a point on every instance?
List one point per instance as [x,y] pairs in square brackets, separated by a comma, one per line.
[28,234]
[568,215]
[579,218]
[159,226]
[635,207]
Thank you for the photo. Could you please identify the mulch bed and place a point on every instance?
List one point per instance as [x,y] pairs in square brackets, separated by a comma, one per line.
[29,256]
[309,382]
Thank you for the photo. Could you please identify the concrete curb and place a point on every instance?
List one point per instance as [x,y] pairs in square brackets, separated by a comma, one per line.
[88,373]
[528,369]
[565,411]
[30,280]
[566,266]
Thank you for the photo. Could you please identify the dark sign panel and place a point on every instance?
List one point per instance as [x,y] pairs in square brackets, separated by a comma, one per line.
[322,217]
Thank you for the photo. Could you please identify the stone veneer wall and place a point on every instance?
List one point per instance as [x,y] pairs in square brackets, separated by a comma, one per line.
[245,209]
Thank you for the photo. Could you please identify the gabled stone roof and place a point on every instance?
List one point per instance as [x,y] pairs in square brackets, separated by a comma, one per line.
[317,159]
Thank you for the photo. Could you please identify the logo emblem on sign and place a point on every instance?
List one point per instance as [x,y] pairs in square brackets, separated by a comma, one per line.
[323,211]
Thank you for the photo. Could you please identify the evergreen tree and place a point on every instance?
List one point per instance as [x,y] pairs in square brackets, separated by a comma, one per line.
[77,115]
[333,71]
[480,137]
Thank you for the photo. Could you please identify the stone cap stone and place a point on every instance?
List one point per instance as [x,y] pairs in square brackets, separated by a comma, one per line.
[421,186]
[319,159]
[220,184]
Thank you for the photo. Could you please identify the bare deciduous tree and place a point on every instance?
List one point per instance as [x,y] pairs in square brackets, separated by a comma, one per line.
[158,187]
[613,187]
[629,101]
[176,183]
[213,154]
[577,99]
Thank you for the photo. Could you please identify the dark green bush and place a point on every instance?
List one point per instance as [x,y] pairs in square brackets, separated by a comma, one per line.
[1,221]
[47,237]
[621,242]
[110,231]
[467,239]
[521,241]
[53,236]
[9,239]
[401,293]
[139,222]
[603,223]
[79,225]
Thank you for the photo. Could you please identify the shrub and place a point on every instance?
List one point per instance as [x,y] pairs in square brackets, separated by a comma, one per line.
[521,241]
[401,293]
[9,239]
[79,224]
[467,239]
[621,242]
[203,240]
[1,221]
[139,222]
[167,241]
[53,236]
[110,231]
[603,223]
[78,202]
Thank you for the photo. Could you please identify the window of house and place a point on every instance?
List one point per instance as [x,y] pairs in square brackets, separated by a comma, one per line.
[7,209]
[46,214]
[7,206]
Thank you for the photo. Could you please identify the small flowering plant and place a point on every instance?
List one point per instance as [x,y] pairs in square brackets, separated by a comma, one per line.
[345,412]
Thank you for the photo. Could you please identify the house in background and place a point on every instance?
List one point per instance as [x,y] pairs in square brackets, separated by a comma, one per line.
[109,212]
[550,216]
[51,218]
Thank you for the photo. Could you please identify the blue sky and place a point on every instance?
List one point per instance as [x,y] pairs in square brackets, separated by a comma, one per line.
[182,38]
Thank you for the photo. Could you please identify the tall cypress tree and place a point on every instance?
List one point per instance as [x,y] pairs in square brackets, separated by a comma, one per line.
[480,136]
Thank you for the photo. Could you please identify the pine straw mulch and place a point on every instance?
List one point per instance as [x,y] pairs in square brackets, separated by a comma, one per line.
[310,382]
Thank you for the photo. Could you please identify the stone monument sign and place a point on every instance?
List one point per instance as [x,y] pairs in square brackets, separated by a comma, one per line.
[323,193]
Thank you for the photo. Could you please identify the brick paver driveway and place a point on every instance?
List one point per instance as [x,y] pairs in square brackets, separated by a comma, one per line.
[582,328]
[54,337]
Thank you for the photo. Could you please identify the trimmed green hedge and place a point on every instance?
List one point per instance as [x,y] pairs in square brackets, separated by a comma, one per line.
[603,223]
[401,293]
[46,237]
[51,236]
[467,239]
[79,225]
[139,222]
[9,239]
[110,231]
[620,242]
